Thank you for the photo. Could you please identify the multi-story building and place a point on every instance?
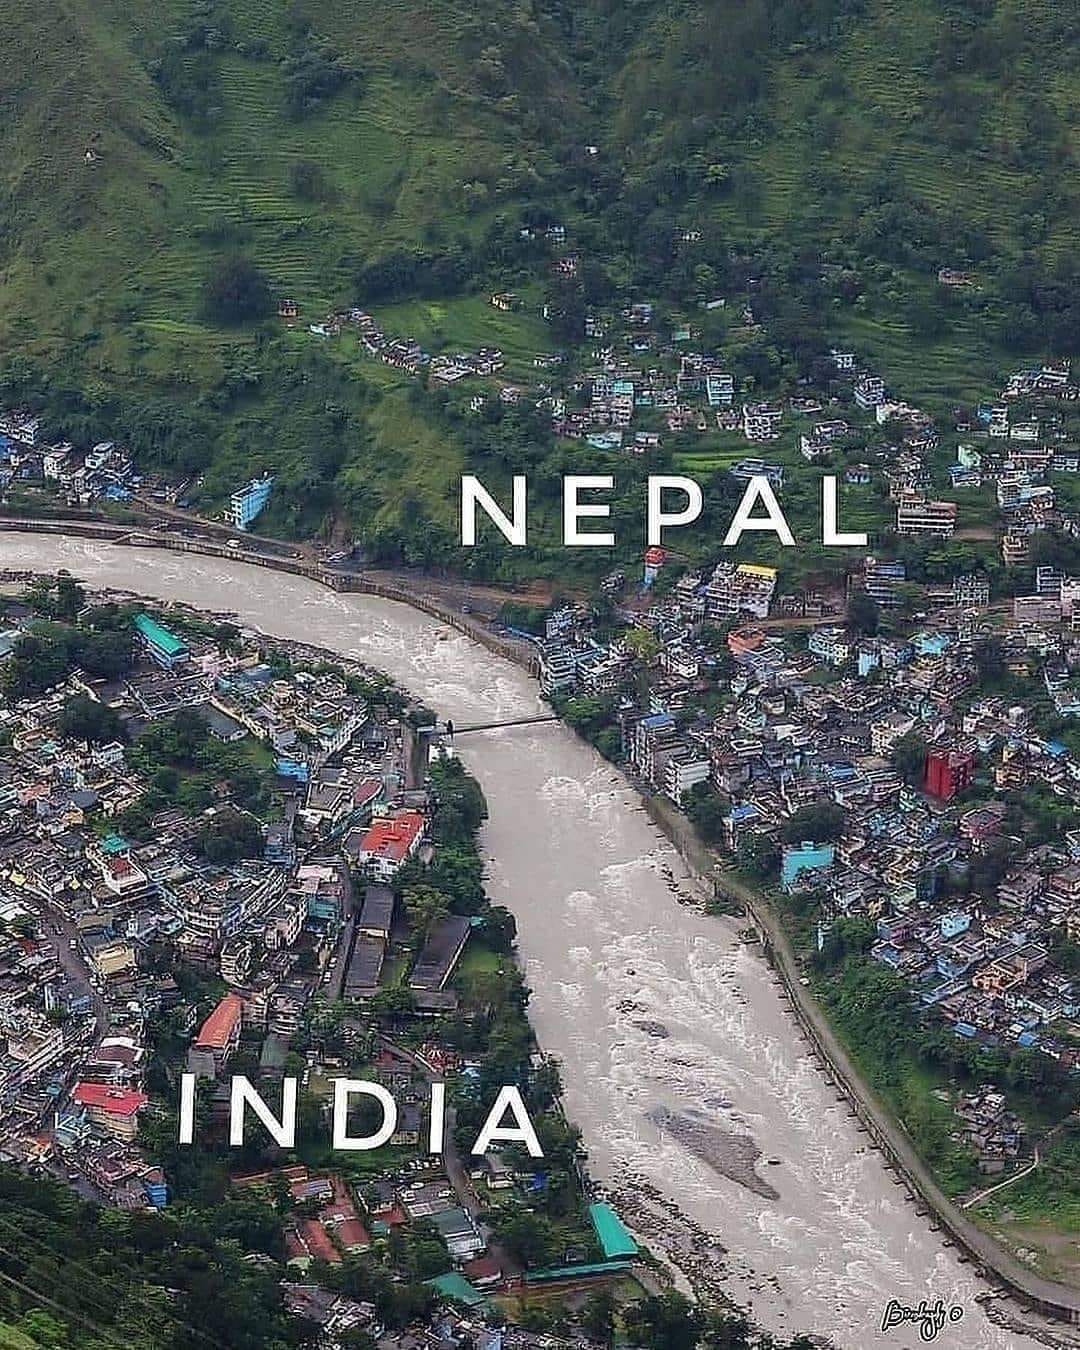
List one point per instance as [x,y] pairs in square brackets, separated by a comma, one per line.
[214,908]
[217,1038]
[745,469]
[745,588]
[869,391]
[558,670]
[882,580]
[160,644]
[971,591]
[917,515]
[111,1110]
[832,645]
[33,1048]
[247,503]
[948,772]
[388,842]
[1014,548]
[683,769]
[761,421]
[653,733]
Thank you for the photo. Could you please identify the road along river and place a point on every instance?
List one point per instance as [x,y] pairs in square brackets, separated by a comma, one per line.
[700,1107]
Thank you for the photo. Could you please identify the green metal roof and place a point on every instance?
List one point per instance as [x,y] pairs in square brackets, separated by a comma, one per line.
[168,642]
[613,1236]
[581,1271]
[453,1285]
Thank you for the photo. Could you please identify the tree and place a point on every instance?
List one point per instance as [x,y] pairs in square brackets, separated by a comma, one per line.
[666,1321]
[863,614]
[528,1237]
[641,643]
[103,655]
[499,929]
[69,596]
[759,854]
[229,836]
[236,291]
[312,75]
[707,810]
[727,1332]
[909,758]
[425,907]
[846,937]
[227,637]
[819,821]
[307,180]
[598,1317]
[565,309]
[35,665]
[85,719]
[989,660]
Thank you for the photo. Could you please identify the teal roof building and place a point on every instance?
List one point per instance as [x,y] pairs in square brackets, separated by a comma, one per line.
[612,1234]
[161,645]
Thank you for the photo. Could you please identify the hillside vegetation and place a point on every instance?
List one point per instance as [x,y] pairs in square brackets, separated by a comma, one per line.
[834,155]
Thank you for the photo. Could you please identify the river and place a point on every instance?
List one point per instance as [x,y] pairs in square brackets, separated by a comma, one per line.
[698,1102]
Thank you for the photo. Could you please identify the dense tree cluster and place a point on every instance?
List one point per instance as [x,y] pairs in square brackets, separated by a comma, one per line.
[314,73]
[183,763]
[87,719]
[84,1276]
[236,291]
[46,655]
[230,835]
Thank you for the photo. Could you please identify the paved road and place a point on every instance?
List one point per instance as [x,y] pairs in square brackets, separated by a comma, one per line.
[456,1168]
[70,960]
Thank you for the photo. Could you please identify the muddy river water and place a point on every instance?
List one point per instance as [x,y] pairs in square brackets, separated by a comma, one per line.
[700,1108]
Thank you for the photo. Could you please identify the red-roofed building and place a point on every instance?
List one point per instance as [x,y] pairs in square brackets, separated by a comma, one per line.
[123,877]
[741,641]
[317,1241]
[110,1109]
[218,1037]
[390,841]
[483,1271]
[948,772]
[353,1236]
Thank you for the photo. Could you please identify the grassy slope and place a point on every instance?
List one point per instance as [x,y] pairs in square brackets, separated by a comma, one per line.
[105,262]
[132,236]
[101,265]
[13,1339]
[839,119]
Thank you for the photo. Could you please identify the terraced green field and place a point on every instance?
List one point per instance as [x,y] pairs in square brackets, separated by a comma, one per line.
[118,199]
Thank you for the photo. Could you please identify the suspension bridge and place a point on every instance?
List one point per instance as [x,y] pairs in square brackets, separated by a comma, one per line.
[452,730]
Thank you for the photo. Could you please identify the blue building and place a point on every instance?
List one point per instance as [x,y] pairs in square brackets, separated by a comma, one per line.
[292,768]
[247,503]
[954,923]
[804,857]
[161,646]
[157,1192]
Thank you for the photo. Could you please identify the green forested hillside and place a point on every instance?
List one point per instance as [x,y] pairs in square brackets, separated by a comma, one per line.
[834,154]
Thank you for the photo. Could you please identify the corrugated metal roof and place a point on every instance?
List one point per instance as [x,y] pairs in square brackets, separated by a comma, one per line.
[169,643]
[612,1233]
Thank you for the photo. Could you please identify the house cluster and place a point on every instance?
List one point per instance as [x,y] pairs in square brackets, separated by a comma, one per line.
[111,929]
[463,1320]
[89,905]
[74,1007]
[105,472]
[821,720]
[405,353]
